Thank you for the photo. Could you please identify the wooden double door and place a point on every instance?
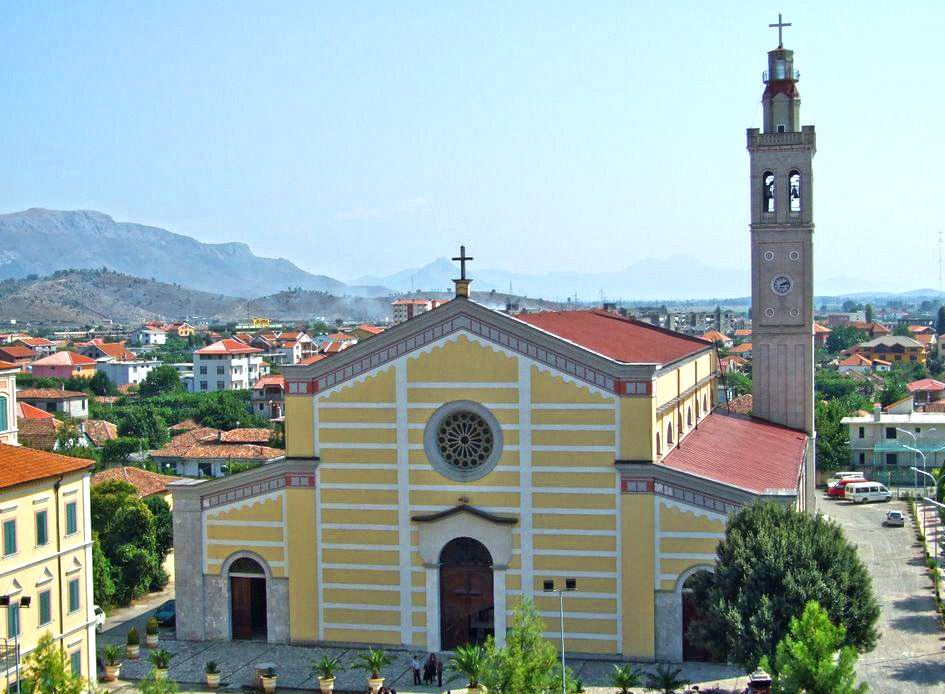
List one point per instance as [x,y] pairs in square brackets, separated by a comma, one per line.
[248,607]
[467,610]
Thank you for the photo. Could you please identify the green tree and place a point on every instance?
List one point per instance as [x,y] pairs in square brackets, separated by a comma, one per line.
[100,384]
[144,423]
[102,583]
[152,684]
[527,661]
[739,381]
[48,671]
[772,561]
[894,388]
[842,337]
[869,313]
[164,379]
[940,321]
[813,659]
[665,680]
[902,331]
[227,410]
[833,437]
[118,451]
[163,525]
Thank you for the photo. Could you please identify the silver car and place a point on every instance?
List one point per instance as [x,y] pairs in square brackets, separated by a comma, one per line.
[895,518]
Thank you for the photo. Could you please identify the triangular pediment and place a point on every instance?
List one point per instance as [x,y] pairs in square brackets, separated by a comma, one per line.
[465,508]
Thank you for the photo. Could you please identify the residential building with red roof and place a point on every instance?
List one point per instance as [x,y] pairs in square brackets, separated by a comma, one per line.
[179,330]
[40,345]
[226,364]
[69,402]
[268,397]
[107,351]
[715,336]
[742,350]
[857,363]
[20,355]
[926,391]
[364,331]
[206,452]
[150,336]
[821,333]
[405,309]
[64,365]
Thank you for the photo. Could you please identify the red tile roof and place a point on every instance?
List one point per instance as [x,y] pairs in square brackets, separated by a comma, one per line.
[715,336]
[26,411]
[273,380]
[186,425]
[928,385]
[21,464]
[246,435]
[228,346]
[740,404]
[39,433]
[373,329]
[312,359]
[49,394]
[35,341]
[855,360]
[65,359]
[144,481]
[241,451]
[99,431]
[743,332]
[116,350]
[742,348]
[5,365]
[742,452]
[17,352]
[818,328]
[615,337]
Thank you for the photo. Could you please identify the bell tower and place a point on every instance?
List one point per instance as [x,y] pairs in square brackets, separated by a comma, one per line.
[782,254]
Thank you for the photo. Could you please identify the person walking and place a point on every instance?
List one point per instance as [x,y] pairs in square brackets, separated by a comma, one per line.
[439,670]
[415,664]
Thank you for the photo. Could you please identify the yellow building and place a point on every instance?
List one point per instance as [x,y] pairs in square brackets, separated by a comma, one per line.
[445,468]
[46,561]
[8,410]
[893,348]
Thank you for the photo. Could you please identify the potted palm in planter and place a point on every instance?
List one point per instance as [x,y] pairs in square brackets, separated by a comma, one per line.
[161,660]
[212,672]
[625,676]
[111,654]
[665,680]
[325,669]
[373,661]
[151,633]
[468,663]
[133,644]
[269,678]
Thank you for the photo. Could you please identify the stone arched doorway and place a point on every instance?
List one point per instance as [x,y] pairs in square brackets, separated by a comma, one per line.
[248,610]
[692,649]
[467,608]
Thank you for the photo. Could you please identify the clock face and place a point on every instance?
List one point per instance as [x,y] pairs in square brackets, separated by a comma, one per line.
[782,285]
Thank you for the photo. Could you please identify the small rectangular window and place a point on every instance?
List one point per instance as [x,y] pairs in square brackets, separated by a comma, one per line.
[9,537]
[73,595]
[72,520]
[862,458]
[75,662]
[892,458]
[862,432]
[42,528]
[45,608]
[780,128]
[13,620]
[890,432]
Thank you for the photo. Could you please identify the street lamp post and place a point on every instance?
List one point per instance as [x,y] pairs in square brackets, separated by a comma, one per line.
[915,446]
[939,505]
[570,585]
[9,604]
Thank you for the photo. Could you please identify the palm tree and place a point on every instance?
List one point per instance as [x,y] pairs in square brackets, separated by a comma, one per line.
[664,680]
[373,661]
[625,676]
[468,662]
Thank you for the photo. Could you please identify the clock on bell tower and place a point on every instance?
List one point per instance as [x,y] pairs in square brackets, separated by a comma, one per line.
[782,229]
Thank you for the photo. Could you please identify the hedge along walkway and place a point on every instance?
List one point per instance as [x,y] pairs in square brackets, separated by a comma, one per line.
[928,528]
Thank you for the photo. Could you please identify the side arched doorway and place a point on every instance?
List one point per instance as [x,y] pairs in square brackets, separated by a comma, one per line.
[248,612]
[467,610]
[692,650]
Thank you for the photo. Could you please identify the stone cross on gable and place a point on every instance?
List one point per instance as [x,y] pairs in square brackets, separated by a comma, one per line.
[462,258]
[780,25]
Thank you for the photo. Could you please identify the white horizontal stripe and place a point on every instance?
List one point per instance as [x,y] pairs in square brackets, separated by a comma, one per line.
[668,577]
[372,548]
[497,468]
[357,425]
[576,594]
[570,531]
[420,447]
[465,488]
[244,523]
[684,555]
[471,384]
[590,553]
[579,615]
[362,507]
[359,486]
[565,468]
[573,449]
[572,635]
[573,427]
[572,490]
[362,567]
[576,511]
[360,446]
[328,465]
[358,526]
[423,425]
[362,606]
[360,586]
[357,405]
[364,627]
[704,536]
[571,406]
[247,543]
[489,405]
[272,564]
[569,574]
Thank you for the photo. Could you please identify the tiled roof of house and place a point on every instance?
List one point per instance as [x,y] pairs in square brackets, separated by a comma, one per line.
[925,338]
[272,380]
[933,407]
[49,394]
[740,404]
[340,336]
[373,329]
[240,451]
[927,385]
[743,332]
[312,359]
[855,360]
[874,327]
[144,481]
[65,359]
[333,348]
[6,366]
[21,464]
[615,337]
[891,340]
[17,352]
[99,431]
[38,433]
[920,329]
[742,348]
[26,411]
[186,425]
[818,328]
[117,350]
[400,302]
[246,435]
[715,336]
[228,346]
[35,341]
[742,452]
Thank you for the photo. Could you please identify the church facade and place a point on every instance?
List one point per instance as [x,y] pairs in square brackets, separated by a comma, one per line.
[443,470]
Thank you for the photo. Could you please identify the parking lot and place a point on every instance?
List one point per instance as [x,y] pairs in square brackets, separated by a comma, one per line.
[910,655]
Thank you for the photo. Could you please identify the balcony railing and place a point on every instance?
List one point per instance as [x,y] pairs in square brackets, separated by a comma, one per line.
[794,75]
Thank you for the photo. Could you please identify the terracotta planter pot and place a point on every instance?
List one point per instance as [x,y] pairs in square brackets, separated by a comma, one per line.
[134,652]
[111,672]
[160,673]
[375,683]
[151,640]
[213,680]
[269,684]
[326,685]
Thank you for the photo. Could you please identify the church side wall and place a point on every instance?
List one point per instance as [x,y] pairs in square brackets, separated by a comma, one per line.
[639,576]
[302,551]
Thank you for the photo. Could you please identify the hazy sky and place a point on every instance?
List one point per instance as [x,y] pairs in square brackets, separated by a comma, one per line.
[366,137]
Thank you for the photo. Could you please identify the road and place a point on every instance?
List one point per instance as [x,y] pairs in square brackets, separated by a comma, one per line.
[910,656]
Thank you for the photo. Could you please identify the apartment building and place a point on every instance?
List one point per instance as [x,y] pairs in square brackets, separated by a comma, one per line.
[227,364]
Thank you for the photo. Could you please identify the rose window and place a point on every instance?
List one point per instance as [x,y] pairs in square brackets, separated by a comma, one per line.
[464,440]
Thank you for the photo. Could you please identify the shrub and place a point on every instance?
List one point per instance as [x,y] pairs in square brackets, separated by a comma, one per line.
[211,668]
[133,637]
[151,628]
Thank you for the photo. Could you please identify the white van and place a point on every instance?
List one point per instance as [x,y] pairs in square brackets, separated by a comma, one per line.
[861,492]
[837,476]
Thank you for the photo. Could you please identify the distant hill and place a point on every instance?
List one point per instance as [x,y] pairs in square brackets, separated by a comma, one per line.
[39,242]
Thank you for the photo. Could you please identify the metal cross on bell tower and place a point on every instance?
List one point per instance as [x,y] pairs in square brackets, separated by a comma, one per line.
[462,284]
[780,25]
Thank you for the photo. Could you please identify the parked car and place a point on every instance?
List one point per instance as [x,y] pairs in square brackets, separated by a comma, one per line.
[99,618]
[895,518]
[835,491]
[837,476]
[166,614]
[863,492]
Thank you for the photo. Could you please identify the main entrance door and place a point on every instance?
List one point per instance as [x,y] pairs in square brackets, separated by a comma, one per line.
[692,649]
[248,599]
[467,611]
